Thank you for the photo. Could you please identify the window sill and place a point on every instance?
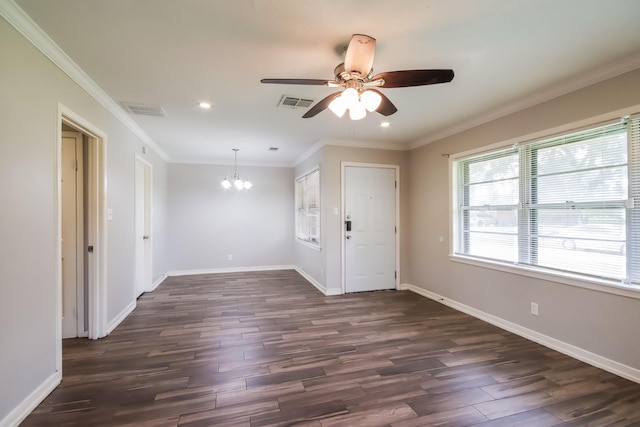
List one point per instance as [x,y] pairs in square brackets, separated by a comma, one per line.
[313,246]
[600,285]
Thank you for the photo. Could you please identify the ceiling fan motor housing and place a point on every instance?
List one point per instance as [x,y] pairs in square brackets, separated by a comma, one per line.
[342,75]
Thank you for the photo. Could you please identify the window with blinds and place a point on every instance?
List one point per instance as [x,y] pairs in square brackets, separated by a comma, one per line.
[564,204]
[307,202]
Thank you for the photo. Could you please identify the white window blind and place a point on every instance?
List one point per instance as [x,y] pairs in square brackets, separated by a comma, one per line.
[490,193]
[564,203]
[633,231]
[308,207]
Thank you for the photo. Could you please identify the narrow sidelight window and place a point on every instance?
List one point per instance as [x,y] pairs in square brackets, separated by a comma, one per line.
[308,207]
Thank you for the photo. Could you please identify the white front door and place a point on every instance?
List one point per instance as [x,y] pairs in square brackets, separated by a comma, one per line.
[142,227]
[72,235]
[370,246]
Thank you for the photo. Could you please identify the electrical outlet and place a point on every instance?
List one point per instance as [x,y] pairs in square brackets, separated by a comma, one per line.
[534,308]
[229,257]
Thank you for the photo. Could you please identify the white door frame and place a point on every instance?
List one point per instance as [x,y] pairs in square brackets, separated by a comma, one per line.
[148,214]
[96,225]
[343,260]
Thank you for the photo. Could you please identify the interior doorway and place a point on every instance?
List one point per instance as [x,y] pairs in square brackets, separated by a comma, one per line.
[143,174]
[81,232]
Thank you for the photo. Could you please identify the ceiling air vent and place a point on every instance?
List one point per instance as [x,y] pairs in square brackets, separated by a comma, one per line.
[293,102]
[143,110]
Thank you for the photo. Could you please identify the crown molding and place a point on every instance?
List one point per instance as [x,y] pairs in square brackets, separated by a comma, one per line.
[589,78]
[375,145]
[308,153]
[226,162]
[349,143]
[15,16]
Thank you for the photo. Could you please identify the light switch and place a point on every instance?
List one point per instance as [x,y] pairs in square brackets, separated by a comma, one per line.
[109,214]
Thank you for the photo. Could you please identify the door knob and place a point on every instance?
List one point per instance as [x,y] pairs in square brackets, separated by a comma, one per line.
[145,237]
[348,237]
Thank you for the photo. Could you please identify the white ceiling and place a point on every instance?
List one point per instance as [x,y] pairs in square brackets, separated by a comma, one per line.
[506,54]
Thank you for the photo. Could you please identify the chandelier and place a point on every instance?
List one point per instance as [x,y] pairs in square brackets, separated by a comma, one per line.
[236,182]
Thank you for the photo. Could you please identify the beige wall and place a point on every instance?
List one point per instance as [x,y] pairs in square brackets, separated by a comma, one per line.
[598,322]
[208,223]
[325,266]
[31,89]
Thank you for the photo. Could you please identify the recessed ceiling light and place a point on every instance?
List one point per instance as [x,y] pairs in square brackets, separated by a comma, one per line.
[385,124]
[205,105]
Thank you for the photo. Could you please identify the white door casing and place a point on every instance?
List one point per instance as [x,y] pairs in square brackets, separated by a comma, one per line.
[142,226]
[370,248]
[72,240]
[94,247]
[95,142]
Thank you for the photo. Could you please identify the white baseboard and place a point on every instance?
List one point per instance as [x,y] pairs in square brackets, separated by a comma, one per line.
[120,317]
[315,283]
[581,354]
[304,274]
[25,407]
[228,270]
[157,283]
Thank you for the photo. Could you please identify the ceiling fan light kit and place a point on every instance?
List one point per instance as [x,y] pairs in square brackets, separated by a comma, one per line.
[355,75]
[358,103]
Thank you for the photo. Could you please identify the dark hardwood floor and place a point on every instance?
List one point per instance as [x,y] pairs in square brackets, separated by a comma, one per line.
[266,348]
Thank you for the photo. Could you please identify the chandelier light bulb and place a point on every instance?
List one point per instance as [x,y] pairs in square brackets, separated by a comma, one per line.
[238,184]
[247,185]
[226,184]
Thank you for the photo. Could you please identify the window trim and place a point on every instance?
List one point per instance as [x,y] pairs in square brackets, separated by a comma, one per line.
[572,279]
[615,287]
[312,245]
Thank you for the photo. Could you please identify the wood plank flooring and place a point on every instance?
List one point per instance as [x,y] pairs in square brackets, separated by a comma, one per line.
[268,349]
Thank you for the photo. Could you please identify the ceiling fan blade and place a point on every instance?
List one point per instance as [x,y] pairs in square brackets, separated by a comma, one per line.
[386,107]
[408,78]
[321,105]
[315,82]
[360,54]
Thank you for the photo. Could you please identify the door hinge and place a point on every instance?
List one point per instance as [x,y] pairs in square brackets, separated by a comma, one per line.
[395,274]
[395,184]
[75,165]
[90,249]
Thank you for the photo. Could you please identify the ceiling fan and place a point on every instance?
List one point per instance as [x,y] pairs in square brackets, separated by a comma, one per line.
[356,76]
